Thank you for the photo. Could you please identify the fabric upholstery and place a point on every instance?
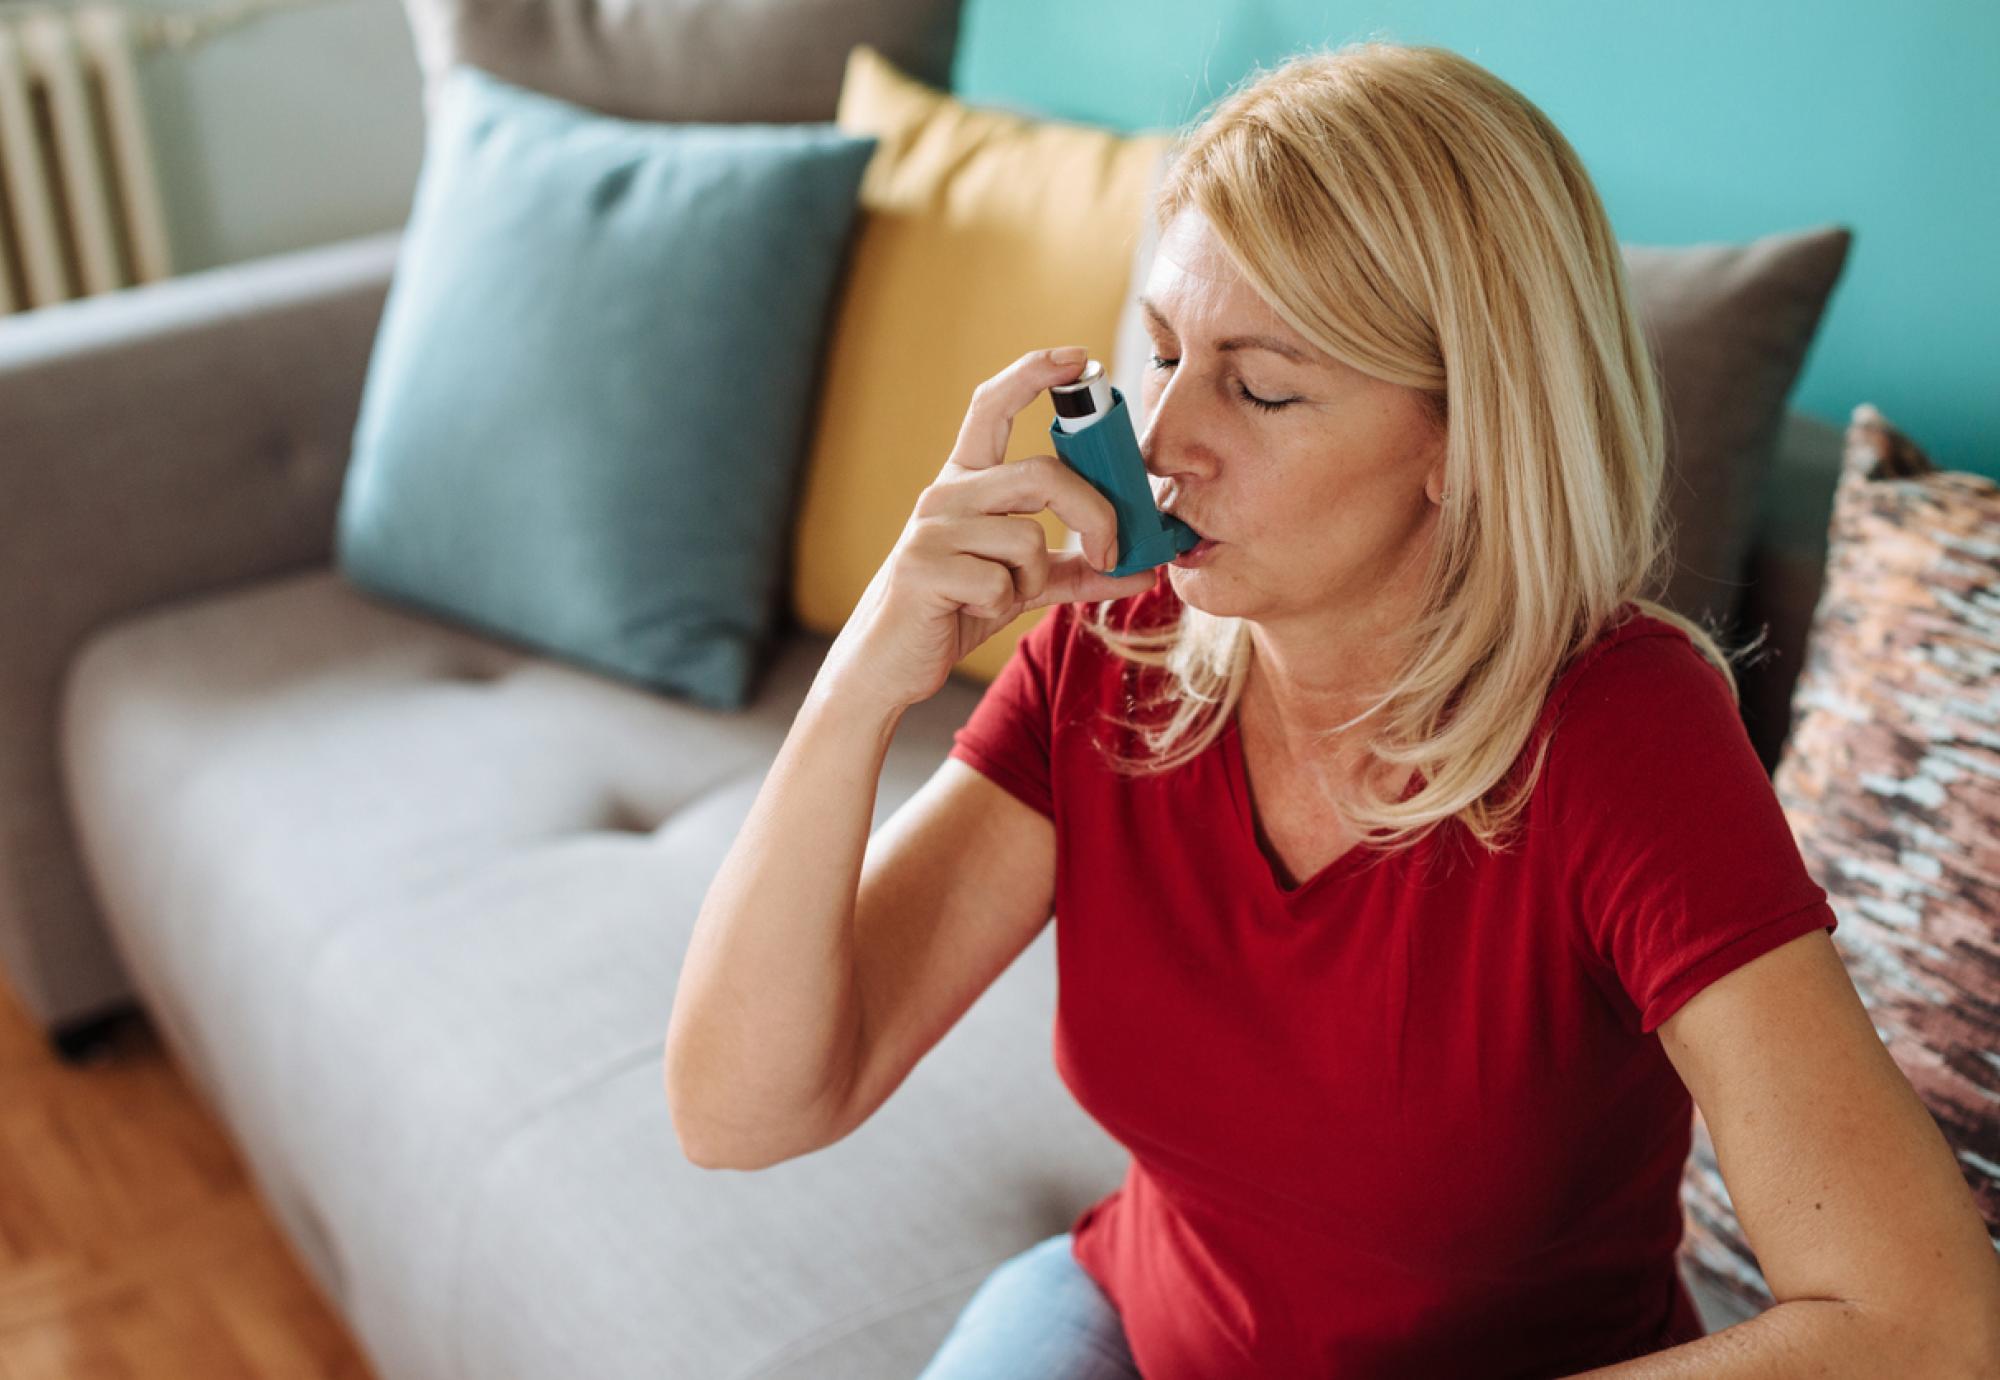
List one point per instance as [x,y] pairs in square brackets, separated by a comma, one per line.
[1730,326]
[160,443]
[1891,781]
[721,60]
[1782,575]
[412,905]
[1024,226]
[587,405]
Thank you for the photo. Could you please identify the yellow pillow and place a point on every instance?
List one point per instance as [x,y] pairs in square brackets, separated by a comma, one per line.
[982,235]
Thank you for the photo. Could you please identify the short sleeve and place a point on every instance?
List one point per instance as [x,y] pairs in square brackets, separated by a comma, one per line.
[1009,734]
[1681,866]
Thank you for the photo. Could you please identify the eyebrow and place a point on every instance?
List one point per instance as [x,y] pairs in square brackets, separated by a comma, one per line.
[1237,342]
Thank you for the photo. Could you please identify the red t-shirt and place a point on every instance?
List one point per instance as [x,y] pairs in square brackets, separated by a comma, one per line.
[1407,1118]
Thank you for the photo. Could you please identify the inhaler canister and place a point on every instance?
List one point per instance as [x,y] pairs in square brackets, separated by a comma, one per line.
[1084,401]
[1093,435]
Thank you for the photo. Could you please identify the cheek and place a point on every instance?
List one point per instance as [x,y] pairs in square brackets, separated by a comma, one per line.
[1324,513]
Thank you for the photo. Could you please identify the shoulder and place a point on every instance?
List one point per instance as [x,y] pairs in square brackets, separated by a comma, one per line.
[1643,714]
[1639,665]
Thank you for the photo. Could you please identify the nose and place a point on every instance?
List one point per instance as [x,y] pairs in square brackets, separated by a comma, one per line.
[1166,444]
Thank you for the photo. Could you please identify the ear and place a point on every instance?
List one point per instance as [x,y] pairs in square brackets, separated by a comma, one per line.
[1434,480]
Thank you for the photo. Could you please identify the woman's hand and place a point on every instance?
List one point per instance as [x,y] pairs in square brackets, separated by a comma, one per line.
[966,565]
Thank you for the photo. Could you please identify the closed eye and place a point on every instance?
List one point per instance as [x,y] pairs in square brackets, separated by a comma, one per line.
[1263,404]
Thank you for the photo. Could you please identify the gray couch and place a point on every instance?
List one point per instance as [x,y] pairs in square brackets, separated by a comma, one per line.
[408,903]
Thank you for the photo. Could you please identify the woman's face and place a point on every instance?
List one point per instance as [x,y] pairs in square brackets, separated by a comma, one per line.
[1318,505]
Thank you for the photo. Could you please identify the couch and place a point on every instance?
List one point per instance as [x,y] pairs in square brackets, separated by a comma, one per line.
[407,902]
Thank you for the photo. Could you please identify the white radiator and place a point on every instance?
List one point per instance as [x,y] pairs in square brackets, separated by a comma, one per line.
[80,209]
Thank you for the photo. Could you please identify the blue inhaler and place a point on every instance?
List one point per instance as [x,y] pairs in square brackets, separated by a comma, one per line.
[1093,436]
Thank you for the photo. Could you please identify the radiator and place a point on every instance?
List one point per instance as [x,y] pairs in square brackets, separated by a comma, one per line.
[80,208]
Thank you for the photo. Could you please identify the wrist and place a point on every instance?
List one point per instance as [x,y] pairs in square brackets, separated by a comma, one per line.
[853,705]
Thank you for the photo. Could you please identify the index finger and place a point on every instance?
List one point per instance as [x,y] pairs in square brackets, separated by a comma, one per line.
[982,437]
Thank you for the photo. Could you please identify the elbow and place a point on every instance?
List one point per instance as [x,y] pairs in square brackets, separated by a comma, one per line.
[1974,1326]
[1984,1339]
[1959,1345]
[702,1160]
[698,1148]
[706,1155]
[1977,1359]
[694,1149]
[703,1154]
[698,1152]
[706,1150]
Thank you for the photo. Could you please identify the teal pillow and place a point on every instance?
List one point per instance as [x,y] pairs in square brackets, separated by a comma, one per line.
[587,407]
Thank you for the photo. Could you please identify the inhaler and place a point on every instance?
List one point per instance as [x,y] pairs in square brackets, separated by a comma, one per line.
[1093,435]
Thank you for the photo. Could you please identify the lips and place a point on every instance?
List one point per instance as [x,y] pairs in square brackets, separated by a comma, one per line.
[1196,554]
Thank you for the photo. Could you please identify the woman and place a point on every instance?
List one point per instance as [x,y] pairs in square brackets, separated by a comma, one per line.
[1413,868]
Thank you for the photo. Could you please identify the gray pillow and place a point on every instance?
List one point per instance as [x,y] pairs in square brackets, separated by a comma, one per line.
[1730,326]
[769,60]
[588,403]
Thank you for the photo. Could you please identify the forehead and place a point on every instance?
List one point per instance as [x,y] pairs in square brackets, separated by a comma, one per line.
[1192,270]
[1192,283]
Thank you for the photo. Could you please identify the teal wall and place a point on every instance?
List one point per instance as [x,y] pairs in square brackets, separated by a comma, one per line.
[1699,121]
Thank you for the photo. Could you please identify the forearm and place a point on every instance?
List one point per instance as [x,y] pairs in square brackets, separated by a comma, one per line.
[761,1039]
[1826,1339]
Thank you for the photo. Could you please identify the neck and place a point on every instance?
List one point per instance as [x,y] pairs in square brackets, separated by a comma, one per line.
[1311,674]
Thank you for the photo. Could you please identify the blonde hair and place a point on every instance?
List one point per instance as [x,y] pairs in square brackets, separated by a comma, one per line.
[1422,221]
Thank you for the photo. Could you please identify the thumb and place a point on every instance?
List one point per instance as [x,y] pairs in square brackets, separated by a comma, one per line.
[1072,577]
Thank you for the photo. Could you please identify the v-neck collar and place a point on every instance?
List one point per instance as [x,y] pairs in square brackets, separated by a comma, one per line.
[1358,856]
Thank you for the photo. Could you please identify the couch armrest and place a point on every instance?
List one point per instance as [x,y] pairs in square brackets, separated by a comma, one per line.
[155,443]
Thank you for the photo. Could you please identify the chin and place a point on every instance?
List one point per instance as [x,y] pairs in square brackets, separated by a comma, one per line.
[1196,587]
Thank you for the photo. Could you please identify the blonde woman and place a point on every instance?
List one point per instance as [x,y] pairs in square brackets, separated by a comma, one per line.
[1415,874]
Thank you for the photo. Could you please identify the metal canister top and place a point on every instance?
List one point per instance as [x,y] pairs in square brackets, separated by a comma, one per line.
[1083,401]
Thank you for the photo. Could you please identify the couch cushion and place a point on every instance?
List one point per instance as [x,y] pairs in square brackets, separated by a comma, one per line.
[587,1234]
[411,905]
[766,60]
[546,449]
[1729,326]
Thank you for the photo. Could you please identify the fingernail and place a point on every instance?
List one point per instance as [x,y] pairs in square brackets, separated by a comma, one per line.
[1069,354]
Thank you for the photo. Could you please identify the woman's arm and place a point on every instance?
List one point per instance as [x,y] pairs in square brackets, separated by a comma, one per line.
[1846,1189]
[759,1042]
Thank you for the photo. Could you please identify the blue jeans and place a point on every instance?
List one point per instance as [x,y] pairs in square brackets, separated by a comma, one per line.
[1036,1317]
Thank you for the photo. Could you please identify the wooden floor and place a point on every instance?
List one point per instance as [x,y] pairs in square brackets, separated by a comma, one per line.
[133,1244]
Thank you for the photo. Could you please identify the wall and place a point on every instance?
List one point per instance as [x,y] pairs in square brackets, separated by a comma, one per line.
[1699,121]
[295,129]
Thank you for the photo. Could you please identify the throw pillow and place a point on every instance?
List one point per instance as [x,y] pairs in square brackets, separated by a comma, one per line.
[773,60]
[1730,325]
[984,234]
[585,412]
[1891,781]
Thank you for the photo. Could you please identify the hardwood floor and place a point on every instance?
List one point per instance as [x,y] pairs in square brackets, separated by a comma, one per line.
[133,1243]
